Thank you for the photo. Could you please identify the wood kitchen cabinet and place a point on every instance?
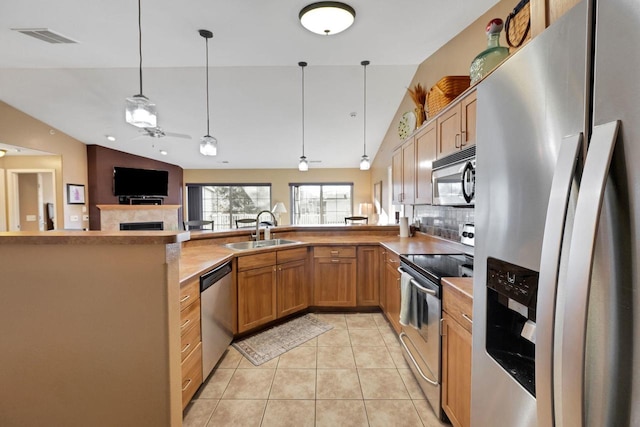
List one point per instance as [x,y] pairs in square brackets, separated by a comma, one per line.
[392,290]
[292,281]
[425,148]
[456,355]
[403,171]
[368,276]
[456,127]
[396,177]
[334,276]
[190,345]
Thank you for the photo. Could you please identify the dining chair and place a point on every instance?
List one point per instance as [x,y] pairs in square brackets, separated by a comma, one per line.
[356,219]
[198,224]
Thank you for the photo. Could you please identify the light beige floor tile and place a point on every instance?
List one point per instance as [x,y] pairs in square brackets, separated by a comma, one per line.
[230,359]
[294,384]
[337,320]
[360,321]
[289,413]
[334,337]
[365,337]
[392,413]
[397,354]
[428,417]
[299,357]
[411,384]
[238,413]
[246,364]
[343,413]
[380,320]
[389,337]
[313,342]
[215,385]
[382,384]
[249,384]
[198,412]
[373,357]
[338,384]
[335,357]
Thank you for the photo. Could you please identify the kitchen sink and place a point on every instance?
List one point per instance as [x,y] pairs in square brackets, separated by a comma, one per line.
[243,246]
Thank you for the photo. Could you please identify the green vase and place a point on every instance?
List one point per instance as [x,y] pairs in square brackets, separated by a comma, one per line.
[493,55]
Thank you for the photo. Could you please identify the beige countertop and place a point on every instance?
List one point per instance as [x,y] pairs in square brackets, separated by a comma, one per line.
[79,237]
[462,284]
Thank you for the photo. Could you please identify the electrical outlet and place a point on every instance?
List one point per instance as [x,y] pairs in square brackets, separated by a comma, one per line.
[84,209]
[85,217]
[73,218]
[31,218]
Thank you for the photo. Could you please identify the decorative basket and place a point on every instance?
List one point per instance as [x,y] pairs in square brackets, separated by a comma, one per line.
[445,91]
[518,24]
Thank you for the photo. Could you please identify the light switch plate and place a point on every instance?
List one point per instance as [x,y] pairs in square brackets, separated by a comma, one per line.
[85,217]
[31,218]
[73,218]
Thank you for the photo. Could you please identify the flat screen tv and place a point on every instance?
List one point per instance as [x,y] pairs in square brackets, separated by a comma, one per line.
[140,182]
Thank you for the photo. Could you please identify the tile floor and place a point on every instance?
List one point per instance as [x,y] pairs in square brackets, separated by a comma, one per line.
[352,375]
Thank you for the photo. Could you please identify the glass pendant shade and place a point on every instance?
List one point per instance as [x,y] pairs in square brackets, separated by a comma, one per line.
[364,163]
[327,17]
[140,112]
[303,166]
[208,146]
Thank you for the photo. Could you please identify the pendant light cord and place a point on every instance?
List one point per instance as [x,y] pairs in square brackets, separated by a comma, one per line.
[302,65]
[140,41]
[364,65]
[206,43]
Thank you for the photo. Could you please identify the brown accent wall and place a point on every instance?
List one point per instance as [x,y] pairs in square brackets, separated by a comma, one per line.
[100,163]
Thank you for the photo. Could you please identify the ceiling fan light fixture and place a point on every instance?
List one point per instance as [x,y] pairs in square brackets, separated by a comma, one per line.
[327,17]
[208,146]
[140,112]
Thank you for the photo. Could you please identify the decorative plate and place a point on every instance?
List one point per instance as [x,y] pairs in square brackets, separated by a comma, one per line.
[407,125]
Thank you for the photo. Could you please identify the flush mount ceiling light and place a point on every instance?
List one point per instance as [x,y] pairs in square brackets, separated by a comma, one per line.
[327,17]
[208,144]
[303,165]
[140,111]
[364,161]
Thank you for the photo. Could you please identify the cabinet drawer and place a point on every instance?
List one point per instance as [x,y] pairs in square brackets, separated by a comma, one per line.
[191,374]
[189,293]
[334,252]
[458,305]
[189,341]
[291,255]
[255,261]
[393,259]
[190,317]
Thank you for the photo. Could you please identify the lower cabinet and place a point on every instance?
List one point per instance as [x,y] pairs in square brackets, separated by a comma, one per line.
[334,276]
[270,286]
[392,290]
[191,346]
[456,356]
[368,277]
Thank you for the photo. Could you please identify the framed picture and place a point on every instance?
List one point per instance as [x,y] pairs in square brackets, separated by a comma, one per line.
[75,194]
[377,196]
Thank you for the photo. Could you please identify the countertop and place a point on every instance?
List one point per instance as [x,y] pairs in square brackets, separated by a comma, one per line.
[79,237]
[462,284]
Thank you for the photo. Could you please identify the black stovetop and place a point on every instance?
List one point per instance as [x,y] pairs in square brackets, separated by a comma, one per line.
[437,266]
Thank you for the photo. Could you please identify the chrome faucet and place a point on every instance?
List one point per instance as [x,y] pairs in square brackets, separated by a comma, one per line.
[275,222]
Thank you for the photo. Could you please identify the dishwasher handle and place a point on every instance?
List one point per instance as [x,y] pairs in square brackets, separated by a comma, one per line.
[210,278]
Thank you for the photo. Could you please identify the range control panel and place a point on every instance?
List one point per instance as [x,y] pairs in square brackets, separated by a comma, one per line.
[513,281]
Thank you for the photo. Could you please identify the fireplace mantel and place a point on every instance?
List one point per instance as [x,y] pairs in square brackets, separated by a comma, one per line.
[111,216]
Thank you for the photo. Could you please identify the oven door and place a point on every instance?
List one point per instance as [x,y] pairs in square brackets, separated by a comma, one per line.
[422,347]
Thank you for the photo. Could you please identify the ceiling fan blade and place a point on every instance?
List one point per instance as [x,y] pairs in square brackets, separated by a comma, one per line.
[177,135]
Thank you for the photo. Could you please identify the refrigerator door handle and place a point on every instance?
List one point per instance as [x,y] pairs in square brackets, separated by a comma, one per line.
[579,271]
[548,280]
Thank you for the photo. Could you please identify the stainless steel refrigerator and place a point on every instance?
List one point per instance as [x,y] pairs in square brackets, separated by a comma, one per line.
[556,335]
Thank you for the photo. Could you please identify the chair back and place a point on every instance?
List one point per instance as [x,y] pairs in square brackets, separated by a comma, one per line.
[245,222]
[198,224]
[356,219]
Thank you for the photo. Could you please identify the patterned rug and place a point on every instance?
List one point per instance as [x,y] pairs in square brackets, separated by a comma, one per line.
[262,347]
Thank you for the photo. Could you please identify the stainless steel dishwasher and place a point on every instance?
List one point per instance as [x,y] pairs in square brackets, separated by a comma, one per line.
[215,314]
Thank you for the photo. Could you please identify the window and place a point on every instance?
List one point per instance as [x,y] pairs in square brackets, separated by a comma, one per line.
[321,203]
[224,204]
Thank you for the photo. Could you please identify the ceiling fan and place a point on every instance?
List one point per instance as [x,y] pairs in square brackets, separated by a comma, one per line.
[158,132]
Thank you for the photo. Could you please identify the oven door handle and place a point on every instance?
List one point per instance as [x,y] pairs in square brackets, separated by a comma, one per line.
[406,349]
[417,285]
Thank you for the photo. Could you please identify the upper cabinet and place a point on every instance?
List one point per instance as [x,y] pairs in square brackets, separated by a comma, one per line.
[425,145]
[403,172]
[456,127]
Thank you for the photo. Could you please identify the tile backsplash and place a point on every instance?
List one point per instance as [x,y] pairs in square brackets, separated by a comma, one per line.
[443,221]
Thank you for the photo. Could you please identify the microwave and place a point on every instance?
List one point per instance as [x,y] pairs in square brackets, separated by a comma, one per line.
[454,179]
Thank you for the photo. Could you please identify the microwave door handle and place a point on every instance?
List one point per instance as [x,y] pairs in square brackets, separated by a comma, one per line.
[580,269]
[554,230]
[467,176]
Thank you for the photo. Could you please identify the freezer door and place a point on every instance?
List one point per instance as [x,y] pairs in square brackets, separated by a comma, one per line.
[525,109]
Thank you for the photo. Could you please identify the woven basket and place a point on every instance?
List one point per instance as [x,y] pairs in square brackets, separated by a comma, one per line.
[517,27]
[445,91]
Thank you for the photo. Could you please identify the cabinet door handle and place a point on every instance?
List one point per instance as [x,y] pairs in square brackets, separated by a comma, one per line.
[186,297]
[462,140]
[185,348]
[467,318]
[334,252]
[186,385]
[457,141]
[185,324]
[335,260]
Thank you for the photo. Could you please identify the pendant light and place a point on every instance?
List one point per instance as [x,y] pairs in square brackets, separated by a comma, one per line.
[208,144]
[139,110]
[364,161]
[303,165]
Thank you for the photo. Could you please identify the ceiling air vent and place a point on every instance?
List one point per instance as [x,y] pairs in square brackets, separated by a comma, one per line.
[45,34]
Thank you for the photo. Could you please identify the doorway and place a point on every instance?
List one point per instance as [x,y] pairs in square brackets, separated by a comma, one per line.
[31,196]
